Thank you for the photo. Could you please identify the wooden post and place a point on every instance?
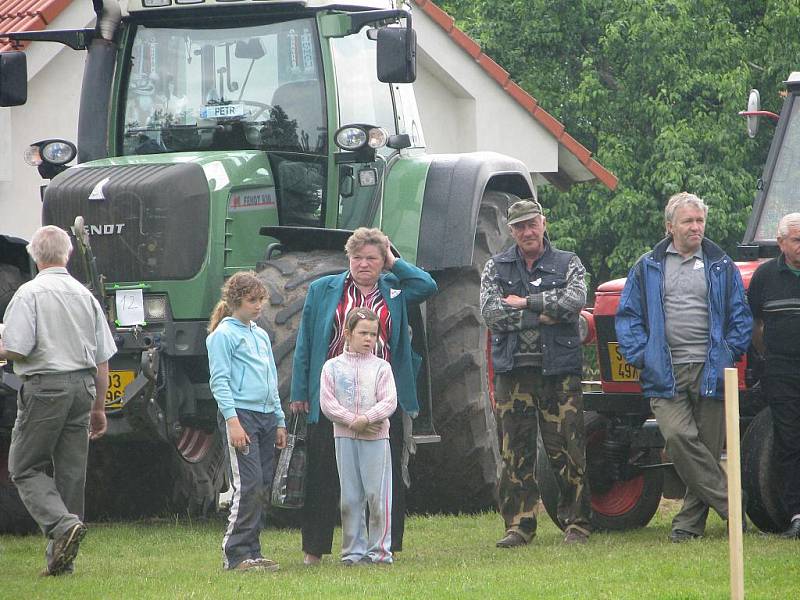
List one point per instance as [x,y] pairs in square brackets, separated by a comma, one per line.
[734,469]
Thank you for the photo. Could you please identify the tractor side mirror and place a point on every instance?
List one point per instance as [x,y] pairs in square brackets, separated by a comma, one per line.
[397,55]
[13,78]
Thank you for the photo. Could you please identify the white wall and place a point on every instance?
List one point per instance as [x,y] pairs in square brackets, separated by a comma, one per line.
[54,83]
[463,109]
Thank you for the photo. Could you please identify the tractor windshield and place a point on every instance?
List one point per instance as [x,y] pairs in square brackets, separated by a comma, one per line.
[784,180]
[233,88]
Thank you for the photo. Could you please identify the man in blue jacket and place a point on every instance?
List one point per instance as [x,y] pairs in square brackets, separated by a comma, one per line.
[682,319]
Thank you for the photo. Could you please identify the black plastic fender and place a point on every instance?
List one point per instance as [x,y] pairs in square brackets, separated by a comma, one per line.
[453,191]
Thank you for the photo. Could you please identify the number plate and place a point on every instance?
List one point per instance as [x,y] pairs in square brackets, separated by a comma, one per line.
[621,370]
[117,382]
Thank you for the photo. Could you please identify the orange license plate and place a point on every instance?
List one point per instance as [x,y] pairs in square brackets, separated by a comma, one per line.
[621,369]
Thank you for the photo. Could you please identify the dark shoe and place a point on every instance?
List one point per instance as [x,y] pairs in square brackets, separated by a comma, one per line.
[365,561]
[678,536]
[793,532]
[575,536]
[65,549]
[512,539]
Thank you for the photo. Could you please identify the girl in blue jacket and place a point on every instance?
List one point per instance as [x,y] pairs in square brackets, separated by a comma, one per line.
[244,382]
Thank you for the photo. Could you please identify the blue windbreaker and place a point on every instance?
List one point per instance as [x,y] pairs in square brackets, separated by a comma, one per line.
[242,369]
[641,328]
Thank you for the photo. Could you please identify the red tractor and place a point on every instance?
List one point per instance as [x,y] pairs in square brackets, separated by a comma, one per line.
[628,469]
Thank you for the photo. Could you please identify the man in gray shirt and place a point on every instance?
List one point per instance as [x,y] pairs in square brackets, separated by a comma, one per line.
[682,319]
[58,337]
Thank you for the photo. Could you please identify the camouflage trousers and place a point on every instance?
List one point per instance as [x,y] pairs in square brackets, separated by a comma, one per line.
[528,402]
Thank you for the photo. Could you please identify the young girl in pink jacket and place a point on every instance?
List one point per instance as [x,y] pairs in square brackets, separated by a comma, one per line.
[357,393]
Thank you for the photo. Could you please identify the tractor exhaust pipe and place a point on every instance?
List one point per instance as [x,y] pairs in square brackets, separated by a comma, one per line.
[96,86]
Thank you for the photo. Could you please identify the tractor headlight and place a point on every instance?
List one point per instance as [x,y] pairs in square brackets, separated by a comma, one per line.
[355,137]
[50,152]
[59,152]
[351,138]
[155,307]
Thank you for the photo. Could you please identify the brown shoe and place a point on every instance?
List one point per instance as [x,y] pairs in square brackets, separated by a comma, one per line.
[311,560]
[575,536]
[65,549]
[512,539]
[256,564]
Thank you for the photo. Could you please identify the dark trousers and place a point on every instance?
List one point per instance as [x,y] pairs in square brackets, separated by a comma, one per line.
[528,402]
[322,486]
[783,393]
[250,475]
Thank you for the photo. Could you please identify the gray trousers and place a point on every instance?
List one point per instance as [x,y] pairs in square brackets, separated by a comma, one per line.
[694,431]
[365,478]
[52,429]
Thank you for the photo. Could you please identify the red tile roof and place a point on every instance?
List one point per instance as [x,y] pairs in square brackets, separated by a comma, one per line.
[523,98]
[28,15]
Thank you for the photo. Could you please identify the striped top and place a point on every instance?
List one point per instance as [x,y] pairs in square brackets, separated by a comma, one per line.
[353,298]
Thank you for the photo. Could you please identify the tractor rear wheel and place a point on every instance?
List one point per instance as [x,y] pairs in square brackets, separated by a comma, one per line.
[616,505]
[760,479]
[287,278]
[10,279]
[460,474]
[14,517]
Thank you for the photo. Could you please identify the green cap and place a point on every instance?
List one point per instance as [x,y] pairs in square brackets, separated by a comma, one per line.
[523,210]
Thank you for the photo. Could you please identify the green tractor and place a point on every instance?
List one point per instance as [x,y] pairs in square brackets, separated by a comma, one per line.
[216,136]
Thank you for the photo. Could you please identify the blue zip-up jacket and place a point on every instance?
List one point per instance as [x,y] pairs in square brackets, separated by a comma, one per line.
[242,369]
[406,285]
[641,328]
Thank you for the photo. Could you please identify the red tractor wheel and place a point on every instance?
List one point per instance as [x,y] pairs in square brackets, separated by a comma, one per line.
[616,504]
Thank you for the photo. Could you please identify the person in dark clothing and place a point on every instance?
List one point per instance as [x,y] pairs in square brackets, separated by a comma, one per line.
[774,295]
[531,298]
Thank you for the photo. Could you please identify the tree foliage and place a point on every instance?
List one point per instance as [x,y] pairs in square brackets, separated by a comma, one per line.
[653,88]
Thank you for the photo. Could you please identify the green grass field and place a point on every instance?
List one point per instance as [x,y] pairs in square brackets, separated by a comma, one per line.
[444,557]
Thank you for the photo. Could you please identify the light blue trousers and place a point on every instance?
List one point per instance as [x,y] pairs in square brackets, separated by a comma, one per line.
[365,476]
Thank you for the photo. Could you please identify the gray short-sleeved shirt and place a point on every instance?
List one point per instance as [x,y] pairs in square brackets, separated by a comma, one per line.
[57,325]
[686,306]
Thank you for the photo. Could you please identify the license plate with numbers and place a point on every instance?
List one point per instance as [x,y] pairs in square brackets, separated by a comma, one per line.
[117,382]
[621,369]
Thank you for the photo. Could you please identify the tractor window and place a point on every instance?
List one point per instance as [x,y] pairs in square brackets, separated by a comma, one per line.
[234,88]
[781,196]
[362,98]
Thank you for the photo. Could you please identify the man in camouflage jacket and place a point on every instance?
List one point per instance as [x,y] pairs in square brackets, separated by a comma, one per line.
[531,298]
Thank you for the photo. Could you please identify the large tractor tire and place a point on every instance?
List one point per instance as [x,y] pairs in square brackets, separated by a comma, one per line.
[14,517]
[287,278]
[10,279]
[616,505]
[760,478]
[460,473]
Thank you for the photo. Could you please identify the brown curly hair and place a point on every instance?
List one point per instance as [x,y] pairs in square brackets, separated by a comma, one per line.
[239,286]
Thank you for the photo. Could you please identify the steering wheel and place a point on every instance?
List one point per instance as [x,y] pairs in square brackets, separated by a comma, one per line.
[263,106]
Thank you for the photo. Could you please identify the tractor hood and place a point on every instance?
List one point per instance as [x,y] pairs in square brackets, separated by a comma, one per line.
[153,218]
